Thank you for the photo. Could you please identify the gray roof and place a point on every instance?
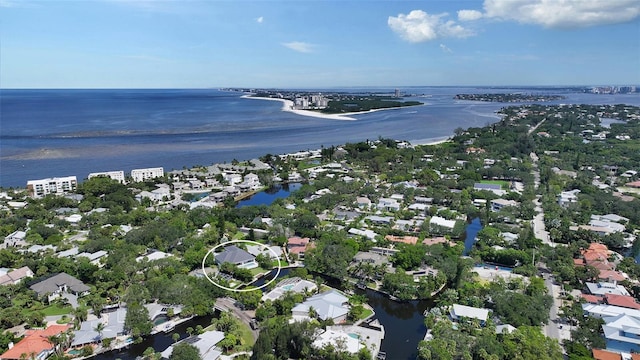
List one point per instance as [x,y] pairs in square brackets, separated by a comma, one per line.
[330,304]
[233,254]
[52,284]
[113,327]
[487,186]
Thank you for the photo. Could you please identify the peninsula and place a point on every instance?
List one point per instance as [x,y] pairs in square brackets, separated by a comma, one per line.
[506,98]
[334,105]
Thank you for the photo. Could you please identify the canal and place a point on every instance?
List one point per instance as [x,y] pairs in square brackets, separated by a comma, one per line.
[159,342]
[403,321]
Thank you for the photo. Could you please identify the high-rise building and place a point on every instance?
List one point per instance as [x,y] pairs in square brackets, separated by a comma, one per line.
[42,187]
[146,174]
[115,175]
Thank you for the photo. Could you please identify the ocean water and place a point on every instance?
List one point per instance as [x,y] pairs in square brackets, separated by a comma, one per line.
[53,133]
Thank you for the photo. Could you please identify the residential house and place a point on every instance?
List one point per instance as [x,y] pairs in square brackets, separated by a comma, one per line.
[622,333]
[363,202]
[15,276]
[236,256]
[153,256]
[331,304]
[94,258]
[499,204]
[369,234]
[622,301]
[294,285]
[113,323]
[349,343]
[58,284]
[205,343]
[35,344]
[388,204]
[272,252]
[15,239]
[297,245]
[602,288]
[442,223]
[412,240]
[459,312]
[567,198]
[599,354]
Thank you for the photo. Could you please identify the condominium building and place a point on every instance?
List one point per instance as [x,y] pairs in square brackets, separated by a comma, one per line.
[115,175]
[62,185]
[146,174]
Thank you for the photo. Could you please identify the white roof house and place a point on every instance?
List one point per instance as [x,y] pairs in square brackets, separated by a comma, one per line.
[603,288]
[440,221]
[603,310]
[333,337]
[622,333]
[462,311]
[205,343]
[328,305]
[294,285]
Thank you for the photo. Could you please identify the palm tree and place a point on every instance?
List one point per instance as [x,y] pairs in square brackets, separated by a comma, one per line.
[99,329]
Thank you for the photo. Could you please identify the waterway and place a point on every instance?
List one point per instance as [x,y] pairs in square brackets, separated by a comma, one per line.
[470,235]
[268,196]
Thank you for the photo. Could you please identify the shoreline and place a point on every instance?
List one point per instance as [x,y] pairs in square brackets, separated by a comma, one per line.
[287,106]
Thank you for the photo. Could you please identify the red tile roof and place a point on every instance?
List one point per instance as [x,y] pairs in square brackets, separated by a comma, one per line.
[402,239]
[34,342]
[611,275]
[297,241]
[635,356]
[437,240]
[605,355]
[594,299]
[622,300]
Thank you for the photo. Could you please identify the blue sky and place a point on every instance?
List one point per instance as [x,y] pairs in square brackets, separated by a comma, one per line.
[309,43]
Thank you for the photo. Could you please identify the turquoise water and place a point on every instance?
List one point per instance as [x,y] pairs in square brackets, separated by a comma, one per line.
[354,336]
[288,287]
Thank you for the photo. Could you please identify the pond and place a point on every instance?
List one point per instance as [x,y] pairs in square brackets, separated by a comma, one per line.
[270,195]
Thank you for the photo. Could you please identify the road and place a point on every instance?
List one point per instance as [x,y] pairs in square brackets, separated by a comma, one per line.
[228,304]
[555,329]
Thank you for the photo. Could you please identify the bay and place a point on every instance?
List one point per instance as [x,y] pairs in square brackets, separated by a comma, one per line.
[53,133]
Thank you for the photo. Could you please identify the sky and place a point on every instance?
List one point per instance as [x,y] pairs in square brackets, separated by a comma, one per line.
[317,43]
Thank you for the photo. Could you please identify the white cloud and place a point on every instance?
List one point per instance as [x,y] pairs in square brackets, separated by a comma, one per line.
[260,20]
[563,13]
[299,46]
[419,26]
[469,15]
[444,48]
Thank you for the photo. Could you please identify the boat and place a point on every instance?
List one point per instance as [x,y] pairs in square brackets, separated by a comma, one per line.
[381,355]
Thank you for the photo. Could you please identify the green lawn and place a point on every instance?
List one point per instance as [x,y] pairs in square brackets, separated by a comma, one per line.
[366,313]
[56,309]
[246,336]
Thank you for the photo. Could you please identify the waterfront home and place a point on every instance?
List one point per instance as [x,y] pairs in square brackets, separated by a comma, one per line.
[599,354]
[272,252]
[347,341]
[15,276]
[294,285]
[370,257]
[459,312]
[205,343]
[56,186]
[236,256]
[113,323]
[139,175]
[35,345]
[331,304]
[437,221]
[59,284]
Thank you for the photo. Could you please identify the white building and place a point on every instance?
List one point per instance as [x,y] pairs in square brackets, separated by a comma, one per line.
[62,185]
[115,175]
[146,174]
